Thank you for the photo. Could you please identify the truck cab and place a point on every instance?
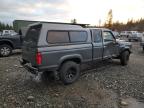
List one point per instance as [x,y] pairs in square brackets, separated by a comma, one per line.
[104,42]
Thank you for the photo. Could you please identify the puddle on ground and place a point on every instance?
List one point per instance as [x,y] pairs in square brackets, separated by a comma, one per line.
[133,103]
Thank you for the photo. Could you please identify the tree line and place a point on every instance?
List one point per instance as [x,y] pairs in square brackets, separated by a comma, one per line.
[134,25]
[131,25]
[4,26]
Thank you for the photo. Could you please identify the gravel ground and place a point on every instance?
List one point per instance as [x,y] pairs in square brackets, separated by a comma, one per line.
[101,85]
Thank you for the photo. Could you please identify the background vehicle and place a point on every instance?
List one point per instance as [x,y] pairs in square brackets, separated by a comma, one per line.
[8,43]
[62,48]
[135,36]
[116,34]
[9,32]
[124,33]
[127,33]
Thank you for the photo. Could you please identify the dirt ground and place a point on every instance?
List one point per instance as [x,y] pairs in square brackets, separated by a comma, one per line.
[101,85]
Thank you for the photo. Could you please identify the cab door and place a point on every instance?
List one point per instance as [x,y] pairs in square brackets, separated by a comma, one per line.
[110,45]
[97,44]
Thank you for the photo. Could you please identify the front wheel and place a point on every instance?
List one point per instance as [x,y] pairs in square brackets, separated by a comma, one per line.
[69,72]
[124,58]
[5,50]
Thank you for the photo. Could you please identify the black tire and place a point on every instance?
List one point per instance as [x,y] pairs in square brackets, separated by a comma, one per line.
[129,40]
[5,50]
[69,72]
[124,58]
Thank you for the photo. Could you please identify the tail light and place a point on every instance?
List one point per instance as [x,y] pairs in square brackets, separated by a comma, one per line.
[38,58]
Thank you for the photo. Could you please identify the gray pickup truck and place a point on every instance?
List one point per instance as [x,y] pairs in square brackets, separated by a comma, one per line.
[62,48]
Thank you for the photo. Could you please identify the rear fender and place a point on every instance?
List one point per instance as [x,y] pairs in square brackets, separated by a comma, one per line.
[75,57]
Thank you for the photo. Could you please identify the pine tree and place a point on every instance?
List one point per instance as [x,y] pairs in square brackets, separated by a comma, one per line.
[109,22]
[74,21]
[5,26]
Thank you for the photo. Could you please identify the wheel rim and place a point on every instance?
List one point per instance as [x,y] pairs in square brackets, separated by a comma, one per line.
[5,51]
[71,73]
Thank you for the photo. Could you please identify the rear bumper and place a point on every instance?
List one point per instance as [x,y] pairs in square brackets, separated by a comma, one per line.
[35,70]
[28,67]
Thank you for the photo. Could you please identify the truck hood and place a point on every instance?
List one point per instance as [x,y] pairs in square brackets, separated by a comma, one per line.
[124,42]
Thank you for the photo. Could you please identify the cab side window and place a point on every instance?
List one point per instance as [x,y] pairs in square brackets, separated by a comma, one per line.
[97,36]
[107,36]
[78,36]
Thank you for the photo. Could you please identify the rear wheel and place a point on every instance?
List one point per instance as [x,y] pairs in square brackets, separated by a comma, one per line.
[5,50]
[124,58]
[69,72]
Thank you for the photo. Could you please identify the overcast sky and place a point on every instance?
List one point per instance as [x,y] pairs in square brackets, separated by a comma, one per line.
[85,11]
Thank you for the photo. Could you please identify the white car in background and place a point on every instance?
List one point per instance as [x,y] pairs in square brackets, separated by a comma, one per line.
[124,33]
[135,36]
[9,32]
[128,33]
[133,32]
